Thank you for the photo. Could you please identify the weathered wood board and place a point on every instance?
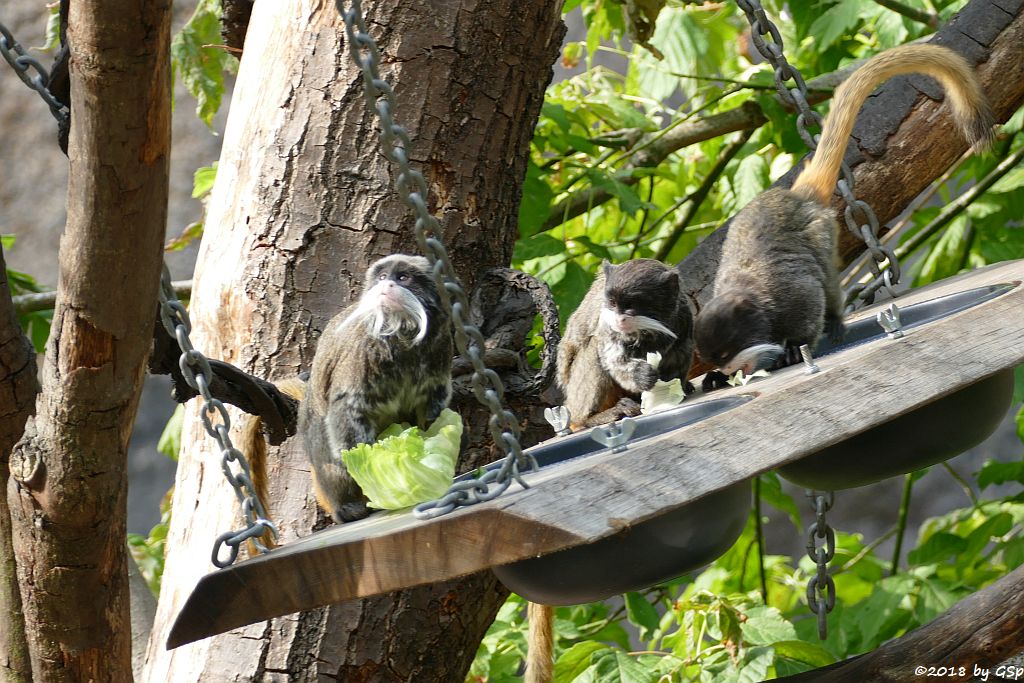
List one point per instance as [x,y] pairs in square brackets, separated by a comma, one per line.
[794,414]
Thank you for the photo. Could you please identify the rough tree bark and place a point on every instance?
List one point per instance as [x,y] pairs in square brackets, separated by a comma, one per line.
[68,487]
[303,202]
[18,389]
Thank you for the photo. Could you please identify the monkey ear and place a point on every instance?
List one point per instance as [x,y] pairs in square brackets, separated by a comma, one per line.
[670,280]
[607,268]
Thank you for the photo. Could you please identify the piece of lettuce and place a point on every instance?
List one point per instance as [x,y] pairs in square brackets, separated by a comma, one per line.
[407,466]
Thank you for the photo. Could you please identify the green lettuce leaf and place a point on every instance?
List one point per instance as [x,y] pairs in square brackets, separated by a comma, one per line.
[407,466]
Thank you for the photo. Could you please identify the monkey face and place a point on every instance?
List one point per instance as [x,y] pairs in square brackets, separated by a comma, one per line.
[399,298]
[733,333]
[638,296]
[401,272]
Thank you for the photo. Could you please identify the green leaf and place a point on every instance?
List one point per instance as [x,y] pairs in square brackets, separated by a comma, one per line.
[879,617]
[535,206]
[170,439]
[202,68]
[933,598]
[52,28]
[995,472]
[772,493]
[750,179]
[836,21]
[641,614]
[978,539]
[614,666]
[939,547]
[202,180]
[598,250]
[765,626]
[802,651]
[1020,424]
[1013,553]
[7,241]
[629,202]
[541,244]
[570,289]
[946,257]
[574,661]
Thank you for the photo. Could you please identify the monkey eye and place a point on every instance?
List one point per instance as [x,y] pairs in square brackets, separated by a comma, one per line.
[403,278]
[382,276]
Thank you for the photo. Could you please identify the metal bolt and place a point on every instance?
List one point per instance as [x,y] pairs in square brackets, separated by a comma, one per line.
[615,435]
[889,319]
[558,417]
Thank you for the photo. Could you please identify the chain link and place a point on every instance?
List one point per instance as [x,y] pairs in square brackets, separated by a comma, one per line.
[821,589]
[412,188]
[859,218]
[32,73]
[197,373]
[194,366]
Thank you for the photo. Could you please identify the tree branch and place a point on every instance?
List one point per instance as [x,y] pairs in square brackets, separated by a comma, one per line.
[929,19]
[981,630]
[702,192]
[18,379]
[68,500]
[658,147]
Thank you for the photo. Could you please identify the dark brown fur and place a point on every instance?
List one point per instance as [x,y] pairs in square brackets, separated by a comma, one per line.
[361,383]
[598,366]
[777,282]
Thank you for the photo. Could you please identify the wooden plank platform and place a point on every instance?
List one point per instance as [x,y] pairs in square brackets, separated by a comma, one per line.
[795,414]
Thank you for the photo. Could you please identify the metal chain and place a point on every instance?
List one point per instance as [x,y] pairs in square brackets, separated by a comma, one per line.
[821,589]
[194,365]
[23,63]
[412,188]
[196,369]
[860,219]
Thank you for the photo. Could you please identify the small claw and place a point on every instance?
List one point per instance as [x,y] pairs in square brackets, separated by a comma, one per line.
[714,380]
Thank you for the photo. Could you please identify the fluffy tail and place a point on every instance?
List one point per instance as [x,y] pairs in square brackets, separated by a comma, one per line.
[254,446]
[970,107]
[541,653]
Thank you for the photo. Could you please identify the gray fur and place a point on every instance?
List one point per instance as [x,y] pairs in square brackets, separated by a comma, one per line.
[362,381]
[597,365]
[777,281]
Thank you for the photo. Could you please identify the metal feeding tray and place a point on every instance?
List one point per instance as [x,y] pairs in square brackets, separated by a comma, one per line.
[934,432]
[653,551]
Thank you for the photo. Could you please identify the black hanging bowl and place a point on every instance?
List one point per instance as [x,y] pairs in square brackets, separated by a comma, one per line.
[930,434]
[651,552]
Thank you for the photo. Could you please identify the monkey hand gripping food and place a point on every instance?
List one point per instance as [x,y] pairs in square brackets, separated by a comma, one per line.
[631,310]
[385,359]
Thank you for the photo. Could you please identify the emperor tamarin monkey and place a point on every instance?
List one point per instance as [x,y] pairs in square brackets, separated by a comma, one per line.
[384,359]
[777,285]
[631,310]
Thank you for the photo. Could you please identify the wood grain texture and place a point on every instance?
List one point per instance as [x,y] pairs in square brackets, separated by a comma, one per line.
[69,485]
[793,415]
[303,202]
[982,631]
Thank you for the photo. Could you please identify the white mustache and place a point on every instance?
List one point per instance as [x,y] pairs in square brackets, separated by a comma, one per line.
[384,321]
[753,358]
[638,323]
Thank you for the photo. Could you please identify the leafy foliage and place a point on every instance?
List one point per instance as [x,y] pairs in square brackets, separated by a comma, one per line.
[600,185]
[199,59]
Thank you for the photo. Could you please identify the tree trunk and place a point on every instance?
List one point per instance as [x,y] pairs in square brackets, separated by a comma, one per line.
[302,204]
[19,385]
[69,486]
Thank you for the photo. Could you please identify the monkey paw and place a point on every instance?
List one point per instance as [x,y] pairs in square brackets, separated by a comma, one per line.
[714,380]
[645,376]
